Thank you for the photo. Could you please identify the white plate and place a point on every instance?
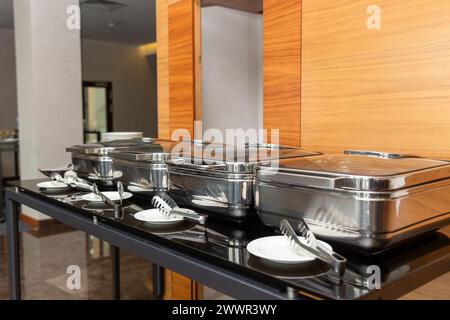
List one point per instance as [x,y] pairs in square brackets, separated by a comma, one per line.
[277,249]
[112,195]
[52,185]
[154,216]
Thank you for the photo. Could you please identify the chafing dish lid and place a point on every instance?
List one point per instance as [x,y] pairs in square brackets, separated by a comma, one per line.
[159,151]
[365,171]
[106,147]
[235,159]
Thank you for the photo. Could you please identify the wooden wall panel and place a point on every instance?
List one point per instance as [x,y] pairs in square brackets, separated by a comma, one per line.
[162,34]
[179,68]
[198,60]
[178,287]
[385,89]
[181,65]
[282,68]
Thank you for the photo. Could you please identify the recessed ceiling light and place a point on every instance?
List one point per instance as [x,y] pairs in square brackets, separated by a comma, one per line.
[103,5]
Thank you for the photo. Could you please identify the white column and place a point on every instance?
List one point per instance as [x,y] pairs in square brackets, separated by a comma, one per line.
[48,58]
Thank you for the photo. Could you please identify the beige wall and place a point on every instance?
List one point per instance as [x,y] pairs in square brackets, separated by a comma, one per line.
[231,69]
[132,80]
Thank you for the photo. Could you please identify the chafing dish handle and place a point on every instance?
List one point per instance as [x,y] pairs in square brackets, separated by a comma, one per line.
[306,180]
[377,154]
[197,166]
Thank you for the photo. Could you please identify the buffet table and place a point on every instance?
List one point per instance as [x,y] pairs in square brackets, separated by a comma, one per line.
[215,255]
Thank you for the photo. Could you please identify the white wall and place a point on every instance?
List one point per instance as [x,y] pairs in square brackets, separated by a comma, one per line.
[232,69]
[8,92]
[132,81]
[48,58]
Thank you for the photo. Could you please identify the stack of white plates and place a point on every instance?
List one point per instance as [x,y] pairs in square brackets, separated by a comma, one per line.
[112,136]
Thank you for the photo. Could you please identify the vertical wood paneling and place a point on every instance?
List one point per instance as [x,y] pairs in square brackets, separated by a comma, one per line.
[181,65]
[177,287]
[198,59]
[162,34]
[178,72]
[385,89]
[282,68]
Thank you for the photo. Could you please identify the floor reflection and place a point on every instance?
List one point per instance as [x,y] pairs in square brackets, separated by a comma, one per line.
[46,255]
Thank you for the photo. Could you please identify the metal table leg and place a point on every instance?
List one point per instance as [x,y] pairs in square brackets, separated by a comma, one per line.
[16,164]
[158,281]
[12,221]
[115,256]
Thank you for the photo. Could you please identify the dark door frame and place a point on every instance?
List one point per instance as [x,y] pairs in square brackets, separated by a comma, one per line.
[109,107]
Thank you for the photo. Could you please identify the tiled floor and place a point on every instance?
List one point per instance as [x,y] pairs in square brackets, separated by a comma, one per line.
[46,256]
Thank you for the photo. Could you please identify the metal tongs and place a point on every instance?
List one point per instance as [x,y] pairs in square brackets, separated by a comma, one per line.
[167,206]
[117,206]
[73,182]
[312,246]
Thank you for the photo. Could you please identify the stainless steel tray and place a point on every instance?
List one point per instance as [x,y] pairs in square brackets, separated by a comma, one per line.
[143,170]
[365,199]
[93,162]
[223,183]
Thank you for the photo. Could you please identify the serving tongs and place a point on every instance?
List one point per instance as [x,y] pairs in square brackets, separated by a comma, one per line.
[312,246]
[72,181]
[117,206]
[167,206]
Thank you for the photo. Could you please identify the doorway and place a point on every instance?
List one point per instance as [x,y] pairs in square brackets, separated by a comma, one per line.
[97,110]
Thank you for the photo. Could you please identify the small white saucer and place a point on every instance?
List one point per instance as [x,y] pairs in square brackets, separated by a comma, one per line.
[154,216]
[277,249]
[52,185]
[112,195]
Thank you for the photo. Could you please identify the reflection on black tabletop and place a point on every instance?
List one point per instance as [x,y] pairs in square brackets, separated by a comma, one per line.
[296,271]
[223,242]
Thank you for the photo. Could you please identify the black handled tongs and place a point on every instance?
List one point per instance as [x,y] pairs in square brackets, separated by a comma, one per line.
[312,246]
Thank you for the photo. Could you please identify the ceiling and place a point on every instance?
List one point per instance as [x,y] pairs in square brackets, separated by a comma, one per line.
[133,24]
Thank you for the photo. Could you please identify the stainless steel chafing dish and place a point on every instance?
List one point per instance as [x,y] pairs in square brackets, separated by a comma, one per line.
[94,162]
[143,170]
[221,181]
[366,199]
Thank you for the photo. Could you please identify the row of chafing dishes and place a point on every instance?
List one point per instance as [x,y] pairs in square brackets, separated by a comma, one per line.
[368,200]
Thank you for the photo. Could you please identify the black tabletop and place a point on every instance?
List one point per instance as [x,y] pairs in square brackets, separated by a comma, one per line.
[223,242]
